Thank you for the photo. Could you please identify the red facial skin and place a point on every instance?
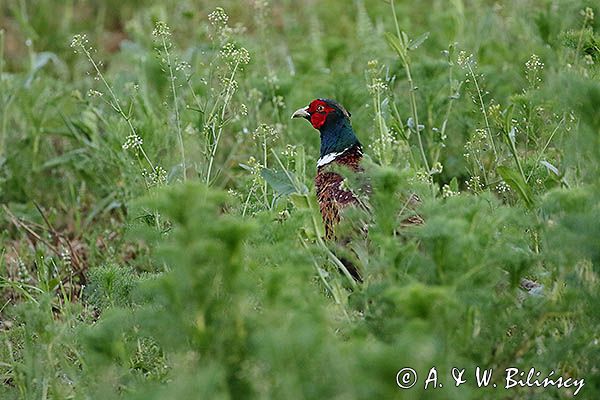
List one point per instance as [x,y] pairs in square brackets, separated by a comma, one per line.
[318,111]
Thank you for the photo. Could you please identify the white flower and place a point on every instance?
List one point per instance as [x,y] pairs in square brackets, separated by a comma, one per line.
[133,141]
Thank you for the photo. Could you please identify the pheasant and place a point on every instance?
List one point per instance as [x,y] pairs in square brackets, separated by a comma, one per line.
[341,147]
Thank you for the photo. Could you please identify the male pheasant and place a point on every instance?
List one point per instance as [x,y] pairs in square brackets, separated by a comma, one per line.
[339,147]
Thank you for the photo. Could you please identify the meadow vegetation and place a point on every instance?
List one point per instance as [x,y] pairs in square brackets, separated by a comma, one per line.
[160,236]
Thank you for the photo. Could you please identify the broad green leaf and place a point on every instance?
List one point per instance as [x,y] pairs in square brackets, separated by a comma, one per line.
[415,43]
[63,159]
[512,135]
[550,167]
[40,60]
[282,182]
[300,162]
[405,39]
[300,200]
[516,182]
[395,44]
[454,185]
[104,205]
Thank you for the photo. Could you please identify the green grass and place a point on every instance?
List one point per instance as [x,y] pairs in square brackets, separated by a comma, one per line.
[160,234]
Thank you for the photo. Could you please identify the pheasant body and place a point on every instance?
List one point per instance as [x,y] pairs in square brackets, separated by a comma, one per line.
[331,194]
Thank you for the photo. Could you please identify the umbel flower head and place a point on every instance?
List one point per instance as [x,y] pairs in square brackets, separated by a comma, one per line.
[161,29]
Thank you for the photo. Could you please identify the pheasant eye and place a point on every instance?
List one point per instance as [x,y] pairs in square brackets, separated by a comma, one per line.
[320,108]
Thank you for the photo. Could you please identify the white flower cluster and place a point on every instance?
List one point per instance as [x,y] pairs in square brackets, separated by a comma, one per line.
[191,130]
[133,141]
[23,274]
[161,29]
[183,66]
[79,40]
[156,177]
[94,93]
[448,192]
[502,187]
[65,256]
[463,60]
[255,168]
[228,84]
[474,184]
[218,17]
[423,176]
[290,151]
[265,132]
[589,60]
[381,143]
[234,55]
[533,67]
[278,102]
[477,144]
[437,168]
[534,64]
[495,111]
[377,85]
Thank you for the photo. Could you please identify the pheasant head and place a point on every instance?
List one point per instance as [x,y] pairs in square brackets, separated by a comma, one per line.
[333,123]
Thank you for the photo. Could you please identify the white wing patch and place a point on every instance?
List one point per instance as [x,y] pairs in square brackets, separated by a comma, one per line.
[327,158]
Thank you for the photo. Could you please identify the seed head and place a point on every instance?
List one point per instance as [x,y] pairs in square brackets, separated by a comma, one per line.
[265,132]
[133,141]
[234,55]
[156,177]
[502,187]
[534,64]
[218,17]
[447,192]
[94,93]
[588,13]
[161,29]
[463,60]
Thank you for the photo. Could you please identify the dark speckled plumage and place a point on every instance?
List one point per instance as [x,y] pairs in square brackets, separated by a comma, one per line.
[331,195]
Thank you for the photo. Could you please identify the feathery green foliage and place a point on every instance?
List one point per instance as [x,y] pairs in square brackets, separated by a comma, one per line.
[160,234]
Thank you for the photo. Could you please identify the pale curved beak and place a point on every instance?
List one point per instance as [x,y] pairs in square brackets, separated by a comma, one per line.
[301,113]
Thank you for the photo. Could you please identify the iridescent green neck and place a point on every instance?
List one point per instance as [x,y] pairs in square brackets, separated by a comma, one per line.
[337,137]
